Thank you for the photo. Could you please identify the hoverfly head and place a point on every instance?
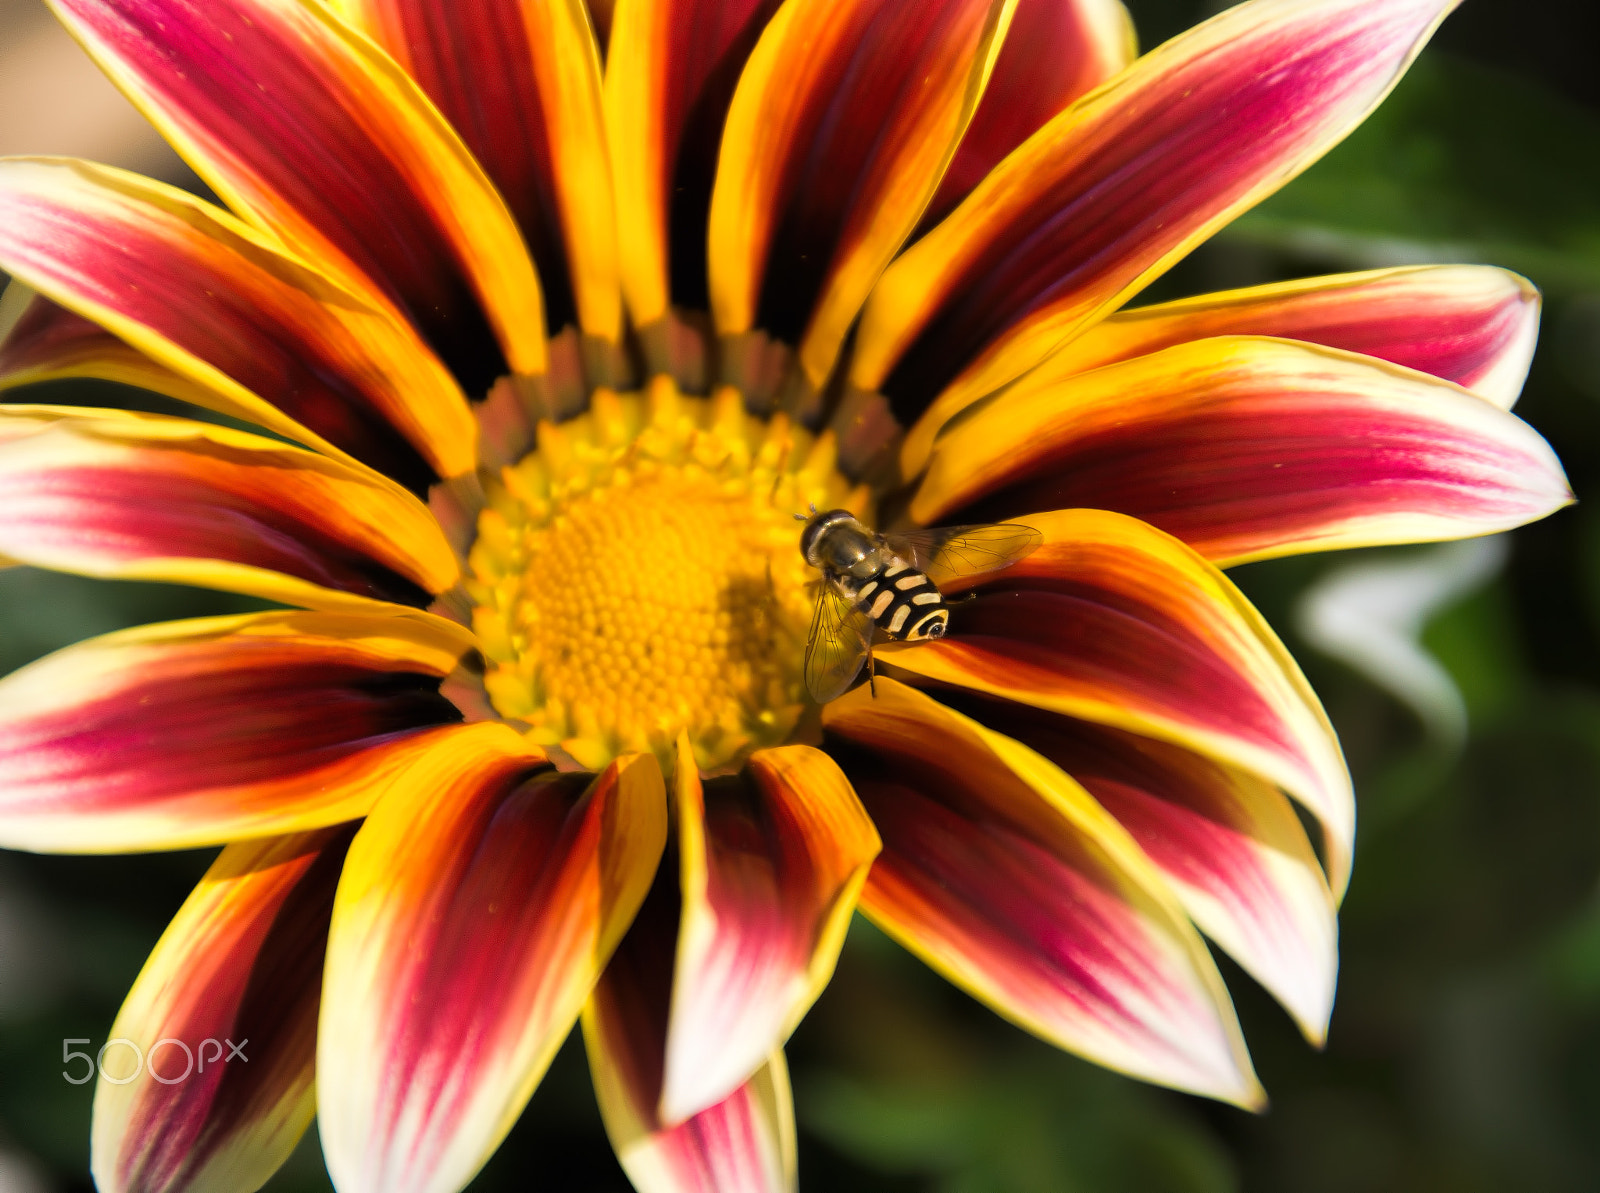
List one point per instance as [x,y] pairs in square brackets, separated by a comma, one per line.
[818,525]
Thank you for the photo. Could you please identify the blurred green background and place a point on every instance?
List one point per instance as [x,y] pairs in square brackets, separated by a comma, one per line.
[1465,1048]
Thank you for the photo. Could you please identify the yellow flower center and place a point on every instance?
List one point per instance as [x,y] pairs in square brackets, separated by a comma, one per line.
[637,575]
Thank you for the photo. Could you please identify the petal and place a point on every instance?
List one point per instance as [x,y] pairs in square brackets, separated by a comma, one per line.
[1471,324]
[771,867]
[1228,844]
[1110,193]
[670,75]
[1372,614]
[1249,448]
[40,341]
[843,123]
[307,128]
[471,924]
[224,1014]
[202,294]
[198,732]
[743,1144]
[1116,623]
[119,495]
[1005,876]
[520,81]
[1056,51]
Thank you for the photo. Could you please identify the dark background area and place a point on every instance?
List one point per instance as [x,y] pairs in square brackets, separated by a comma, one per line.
[1465,1048]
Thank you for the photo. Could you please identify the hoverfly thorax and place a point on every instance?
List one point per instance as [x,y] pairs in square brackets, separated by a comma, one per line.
[837,543]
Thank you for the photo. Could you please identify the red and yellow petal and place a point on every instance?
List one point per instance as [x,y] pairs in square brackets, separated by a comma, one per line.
[770,871]
[199,732]
[844,121]
[1227,842]
[1471,324]
[120,495]
[224,1016]
[470,926]
[520,82]
[1006,877]
[308,129]
[40,341]
[671,68]
[1249,448]
[1115,623]
[1056,51]
[743,1144]
[1115,189]
[207,297]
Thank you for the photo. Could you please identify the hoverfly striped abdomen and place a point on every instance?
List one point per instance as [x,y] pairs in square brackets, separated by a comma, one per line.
[901,601]
[888,583]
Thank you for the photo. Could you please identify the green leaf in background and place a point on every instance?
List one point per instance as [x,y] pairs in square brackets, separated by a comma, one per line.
[1461,163]
[1035,1122]
[908,1078]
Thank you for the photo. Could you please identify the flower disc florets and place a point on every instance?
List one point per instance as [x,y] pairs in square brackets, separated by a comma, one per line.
[636,576]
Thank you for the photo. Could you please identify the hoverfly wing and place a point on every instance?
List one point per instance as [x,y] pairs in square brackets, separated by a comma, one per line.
[841,634]
[945,552]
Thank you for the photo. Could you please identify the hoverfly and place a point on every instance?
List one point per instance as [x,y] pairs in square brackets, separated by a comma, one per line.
[888,581]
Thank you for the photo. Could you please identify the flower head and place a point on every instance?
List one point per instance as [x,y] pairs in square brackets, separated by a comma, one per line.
[560,341]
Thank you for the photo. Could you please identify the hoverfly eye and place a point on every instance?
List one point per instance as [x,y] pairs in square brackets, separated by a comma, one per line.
[936,630]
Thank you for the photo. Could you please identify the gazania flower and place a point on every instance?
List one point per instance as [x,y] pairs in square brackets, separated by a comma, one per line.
[559,341]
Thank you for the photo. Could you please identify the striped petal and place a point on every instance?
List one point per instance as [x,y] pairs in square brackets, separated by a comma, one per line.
[119,495]
[771,866]
[1110,193]
[1249,448]
[1470,324]
[197,291]
[471,924]
[224,1014]
[308,129]
[670,74]
[40,341]
[520,81]
[199,732]
[842,126]
[1228,844]
[1005,876]
[743,1144]
[1118,624]
[1056,51]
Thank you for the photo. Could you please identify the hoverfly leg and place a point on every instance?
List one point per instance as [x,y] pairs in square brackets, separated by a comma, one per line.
[963,599]
[872,673]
